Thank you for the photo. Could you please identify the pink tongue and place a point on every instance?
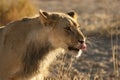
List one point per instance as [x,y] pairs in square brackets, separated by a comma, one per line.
[82,46]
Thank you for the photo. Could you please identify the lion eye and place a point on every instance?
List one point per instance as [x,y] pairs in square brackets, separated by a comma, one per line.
[67,28]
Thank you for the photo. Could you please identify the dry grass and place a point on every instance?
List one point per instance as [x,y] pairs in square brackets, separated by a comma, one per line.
[115,53]
[114,33]
[11,10]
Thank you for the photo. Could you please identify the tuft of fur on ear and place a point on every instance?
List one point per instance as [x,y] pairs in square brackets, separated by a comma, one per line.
[73,15]
[43,17]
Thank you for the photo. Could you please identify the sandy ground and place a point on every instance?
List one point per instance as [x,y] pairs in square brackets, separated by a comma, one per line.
[96,63]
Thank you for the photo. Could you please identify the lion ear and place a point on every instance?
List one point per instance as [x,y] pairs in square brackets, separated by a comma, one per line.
[43,16]
[73,15]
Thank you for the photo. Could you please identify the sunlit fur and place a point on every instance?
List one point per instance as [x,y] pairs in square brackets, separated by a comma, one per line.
[28,46]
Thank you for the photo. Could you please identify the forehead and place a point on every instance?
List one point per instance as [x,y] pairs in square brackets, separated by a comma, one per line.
[74,22]
[66,18]
[71,20]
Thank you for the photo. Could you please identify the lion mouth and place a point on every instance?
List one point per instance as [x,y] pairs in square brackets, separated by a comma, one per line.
[78,47]
[73,48]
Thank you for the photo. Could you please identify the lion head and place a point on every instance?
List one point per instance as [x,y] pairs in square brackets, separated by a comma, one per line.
[64,30]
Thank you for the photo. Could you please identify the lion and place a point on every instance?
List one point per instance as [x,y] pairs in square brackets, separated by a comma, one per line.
[29,46]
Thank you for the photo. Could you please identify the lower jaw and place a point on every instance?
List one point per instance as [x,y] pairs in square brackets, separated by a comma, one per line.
[73,49]
[76,52]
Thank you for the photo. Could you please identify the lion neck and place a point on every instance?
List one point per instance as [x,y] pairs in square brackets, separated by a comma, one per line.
[38,58]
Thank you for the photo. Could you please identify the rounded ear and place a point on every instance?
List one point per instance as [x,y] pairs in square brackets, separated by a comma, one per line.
[43,16]
[73,15]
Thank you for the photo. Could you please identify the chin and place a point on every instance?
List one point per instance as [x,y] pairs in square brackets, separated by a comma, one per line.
[77,50]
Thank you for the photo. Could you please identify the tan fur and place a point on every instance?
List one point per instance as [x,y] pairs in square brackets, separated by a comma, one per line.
[28,46]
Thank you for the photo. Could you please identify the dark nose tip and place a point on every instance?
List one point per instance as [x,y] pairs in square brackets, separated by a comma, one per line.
[81,41]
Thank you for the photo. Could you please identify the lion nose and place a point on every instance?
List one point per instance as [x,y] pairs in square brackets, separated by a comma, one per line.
[82,45]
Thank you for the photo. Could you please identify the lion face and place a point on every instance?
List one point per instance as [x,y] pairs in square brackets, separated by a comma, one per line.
[64,30]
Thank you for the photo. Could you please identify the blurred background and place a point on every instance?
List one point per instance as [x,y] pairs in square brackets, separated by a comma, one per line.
[100,22]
